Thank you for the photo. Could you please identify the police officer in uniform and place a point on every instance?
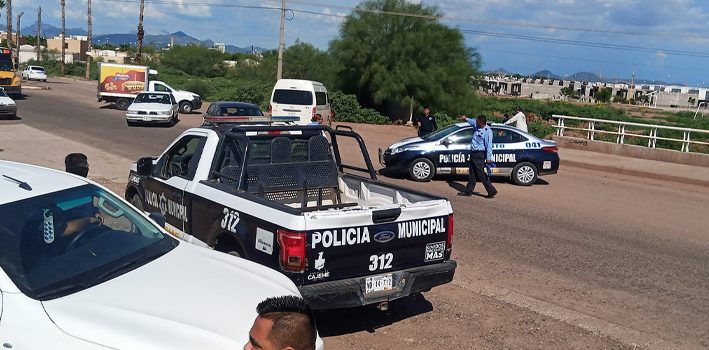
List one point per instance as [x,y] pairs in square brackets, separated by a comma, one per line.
[426,122]
[480,153]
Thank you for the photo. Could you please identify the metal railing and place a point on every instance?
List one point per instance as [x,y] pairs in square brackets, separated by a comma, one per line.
[588,125]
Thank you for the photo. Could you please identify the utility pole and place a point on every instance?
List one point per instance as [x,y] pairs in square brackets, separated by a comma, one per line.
[63,3]
[8,7]
[279,73]
[18,32]
[90,42]
[139,43]
[39,31]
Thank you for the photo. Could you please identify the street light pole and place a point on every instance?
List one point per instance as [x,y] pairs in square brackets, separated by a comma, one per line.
[18,32]
[279,73]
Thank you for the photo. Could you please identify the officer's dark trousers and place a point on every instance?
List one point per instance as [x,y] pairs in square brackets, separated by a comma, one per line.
[476,172]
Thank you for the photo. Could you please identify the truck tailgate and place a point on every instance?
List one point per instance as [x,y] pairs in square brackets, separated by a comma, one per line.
[365,242]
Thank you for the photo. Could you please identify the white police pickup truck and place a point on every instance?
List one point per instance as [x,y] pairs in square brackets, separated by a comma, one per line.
[279,195]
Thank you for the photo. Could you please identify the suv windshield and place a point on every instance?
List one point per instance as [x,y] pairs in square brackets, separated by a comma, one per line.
[153,98]
[441,133]
[293,97]
[63,242]
[6,65]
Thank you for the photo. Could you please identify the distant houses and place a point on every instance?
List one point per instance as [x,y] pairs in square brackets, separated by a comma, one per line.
[544,88]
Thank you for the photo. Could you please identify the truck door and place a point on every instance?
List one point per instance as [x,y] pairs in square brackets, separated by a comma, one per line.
[452,152]
[164,191]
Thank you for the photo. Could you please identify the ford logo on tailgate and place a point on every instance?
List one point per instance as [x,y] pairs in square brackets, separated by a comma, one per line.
[384,236]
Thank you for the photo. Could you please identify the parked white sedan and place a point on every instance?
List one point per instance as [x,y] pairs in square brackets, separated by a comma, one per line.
[83,269]
[8,107]
[153,107]
[34,73]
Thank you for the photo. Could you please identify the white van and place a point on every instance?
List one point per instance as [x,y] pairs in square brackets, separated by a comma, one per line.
[303,98]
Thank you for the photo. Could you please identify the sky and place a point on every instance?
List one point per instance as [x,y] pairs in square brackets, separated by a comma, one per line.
[657,39]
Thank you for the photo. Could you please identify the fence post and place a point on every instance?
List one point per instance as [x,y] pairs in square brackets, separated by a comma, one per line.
[685,142]
[592,126]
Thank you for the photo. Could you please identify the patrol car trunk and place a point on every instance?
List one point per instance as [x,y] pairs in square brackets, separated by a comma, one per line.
[388,229]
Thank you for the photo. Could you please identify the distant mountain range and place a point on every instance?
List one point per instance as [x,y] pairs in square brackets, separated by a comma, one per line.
[585,76]
[159,41]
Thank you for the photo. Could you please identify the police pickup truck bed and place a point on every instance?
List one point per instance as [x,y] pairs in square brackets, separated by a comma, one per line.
[279,195]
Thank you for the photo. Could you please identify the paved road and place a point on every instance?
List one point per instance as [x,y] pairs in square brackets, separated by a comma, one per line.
[584,260]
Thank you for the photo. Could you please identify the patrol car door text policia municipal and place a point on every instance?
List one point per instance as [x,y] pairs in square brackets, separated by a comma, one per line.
[516,154]
[279,196]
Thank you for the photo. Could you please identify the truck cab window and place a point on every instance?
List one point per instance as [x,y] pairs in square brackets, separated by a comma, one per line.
[182,159]
[161,87]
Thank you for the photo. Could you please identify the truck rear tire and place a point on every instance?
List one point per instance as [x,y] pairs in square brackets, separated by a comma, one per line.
[122,104]
[185,107]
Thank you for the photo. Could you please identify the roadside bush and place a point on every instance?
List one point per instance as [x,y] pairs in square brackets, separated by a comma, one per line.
[199,87]
[347,109]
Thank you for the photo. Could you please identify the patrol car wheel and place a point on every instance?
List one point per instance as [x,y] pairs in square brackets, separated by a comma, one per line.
[524,174]
[422,170]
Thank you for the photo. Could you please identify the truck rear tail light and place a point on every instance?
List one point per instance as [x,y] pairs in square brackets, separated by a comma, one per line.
[449,240]
[270,109]
[551,149]
[292,250]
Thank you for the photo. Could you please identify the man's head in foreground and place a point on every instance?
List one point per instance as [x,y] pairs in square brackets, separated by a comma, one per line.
[283,323]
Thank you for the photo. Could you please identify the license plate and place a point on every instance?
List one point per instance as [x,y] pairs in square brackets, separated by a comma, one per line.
[146,119]
[378,283]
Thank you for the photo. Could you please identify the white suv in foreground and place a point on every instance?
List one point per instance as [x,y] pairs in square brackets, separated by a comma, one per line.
[34,73]
[80,268]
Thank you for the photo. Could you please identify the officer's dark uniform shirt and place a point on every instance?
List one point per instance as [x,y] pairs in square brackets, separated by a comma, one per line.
[428,123]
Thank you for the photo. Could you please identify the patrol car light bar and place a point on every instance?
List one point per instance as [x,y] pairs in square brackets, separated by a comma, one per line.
[251,119]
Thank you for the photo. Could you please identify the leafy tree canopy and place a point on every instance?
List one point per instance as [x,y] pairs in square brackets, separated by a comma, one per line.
[195,60]
[387,59]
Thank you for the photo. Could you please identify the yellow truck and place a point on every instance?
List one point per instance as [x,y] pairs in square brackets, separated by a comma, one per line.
[9,79]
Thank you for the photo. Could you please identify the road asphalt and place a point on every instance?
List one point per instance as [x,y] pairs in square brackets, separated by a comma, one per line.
[612,252]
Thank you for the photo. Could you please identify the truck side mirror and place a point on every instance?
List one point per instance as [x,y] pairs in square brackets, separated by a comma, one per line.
[446,142]
[145,166]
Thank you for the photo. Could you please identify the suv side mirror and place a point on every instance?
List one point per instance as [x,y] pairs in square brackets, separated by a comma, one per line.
[145,166]
[158,218]
[446,142]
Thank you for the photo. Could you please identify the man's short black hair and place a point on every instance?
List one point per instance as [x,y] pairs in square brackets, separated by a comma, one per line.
[426,107]
[482,118]
[77,163]
[293,322]
[518,108]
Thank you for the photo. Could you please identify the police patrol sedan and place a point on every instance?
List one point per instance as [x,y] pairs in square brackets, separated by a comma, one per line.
[516,154]
[80,268]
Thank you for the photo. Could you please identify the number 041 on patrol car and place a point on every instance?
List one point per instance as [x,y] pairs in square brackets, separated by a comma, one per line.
[516,154]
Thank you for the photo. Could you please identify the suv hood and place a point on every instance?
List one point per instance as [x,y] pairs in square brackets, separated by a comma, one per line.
[149,107]
[190,298]
[406,142]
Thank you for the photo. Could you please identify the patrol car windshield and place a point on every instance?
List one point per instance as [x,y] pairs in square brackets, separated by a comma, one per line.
[63,242]
[441,133]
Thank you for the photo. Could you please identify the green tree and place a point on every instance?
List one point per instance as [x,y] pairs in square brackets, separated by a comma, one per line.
[305,61]
[569,92]
[389,60]
[604,95]
[194,60]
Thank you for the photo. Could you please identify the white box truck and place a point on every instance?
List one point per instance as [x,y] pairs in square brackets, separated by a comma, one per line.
[120,83]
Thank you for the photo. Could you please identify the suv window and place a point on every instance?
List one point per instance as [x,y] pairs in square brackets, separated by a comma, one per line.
[320,98]
[506,136]
[293,97]
[182,159]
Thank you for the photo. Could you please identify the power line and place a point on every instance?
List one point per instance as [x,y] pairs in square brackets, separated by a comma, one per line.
[587,43]
[414,15]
